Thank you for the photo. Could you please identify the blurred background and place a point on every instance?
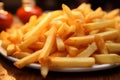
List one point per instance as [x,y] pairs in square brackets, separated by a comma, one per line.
[13,5]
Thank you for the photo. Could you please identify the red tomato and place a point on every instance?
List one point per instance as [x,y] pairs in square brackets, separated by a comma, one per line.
[6,20]
[24,13]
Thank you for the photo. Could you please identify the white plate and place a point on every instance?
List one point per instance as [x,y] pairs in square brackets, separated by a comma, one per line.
[37,66]
[93,68]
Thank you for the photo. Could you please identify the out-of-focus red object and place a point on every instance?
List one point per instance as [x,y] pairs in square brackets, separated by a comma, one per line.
[28,9]
[6,18]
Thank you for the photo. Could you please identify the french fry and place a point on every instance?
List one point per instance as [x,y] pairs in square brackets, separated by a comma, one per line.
[76,62]
[27,50]
[107,58]
[77,41]
[101,44]
[108,29]
[11,49]
[29,25]
[50,41]
[20,55]
[88,51]
[67,11]
[33,20]
[113,47]
[94,32]
[62,18]
[66,31]
[100,25]
[85,8]
[118,38]
[79,29]
[77,15]
[27,60]
[20,34]
[36,46]
[44,71]
[72,51]
[60,44]
[13,37]
[57,23]
[59,54]
[4,38]
[47,49]
[112,14]
[61,30]
[69,32]
[40,18]
[27,42]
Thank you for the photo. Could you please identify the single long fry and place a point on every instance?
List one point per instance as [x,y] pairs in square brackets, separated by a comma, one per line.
[113,47]
[61,30]
[88,51]
[47,49]
[77,41]
[27,60]
[50,41]
[107,58]
[99,25]
[20,55]
[67,62]
[28,42]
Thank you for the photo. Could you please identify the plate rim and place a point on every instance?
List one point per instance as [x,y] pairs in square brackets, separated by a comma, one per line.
[89,69]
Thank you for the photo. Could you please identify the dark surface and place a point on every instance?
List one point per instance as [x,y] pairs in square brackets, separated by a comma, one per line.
[13,5]
[34,74]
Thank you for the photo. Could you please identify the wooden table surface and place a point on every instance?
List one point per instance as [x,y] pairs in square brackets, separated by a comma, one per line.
[34,74]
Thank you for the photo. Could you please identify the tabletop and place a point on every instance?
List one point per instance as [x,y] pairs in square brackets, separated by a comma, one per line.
[34,74]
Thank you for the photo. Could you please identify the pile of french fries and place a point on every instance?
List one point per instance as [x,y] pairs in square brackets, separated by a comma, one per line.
[67,38]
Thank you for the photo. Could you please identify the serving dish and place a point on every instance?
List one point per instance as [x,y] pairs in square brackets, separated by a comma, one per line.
[37,66]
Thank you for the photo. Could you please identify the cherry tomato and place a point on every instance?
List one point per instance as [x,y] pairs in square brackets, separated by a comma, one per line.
[24,13]
[6,20]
